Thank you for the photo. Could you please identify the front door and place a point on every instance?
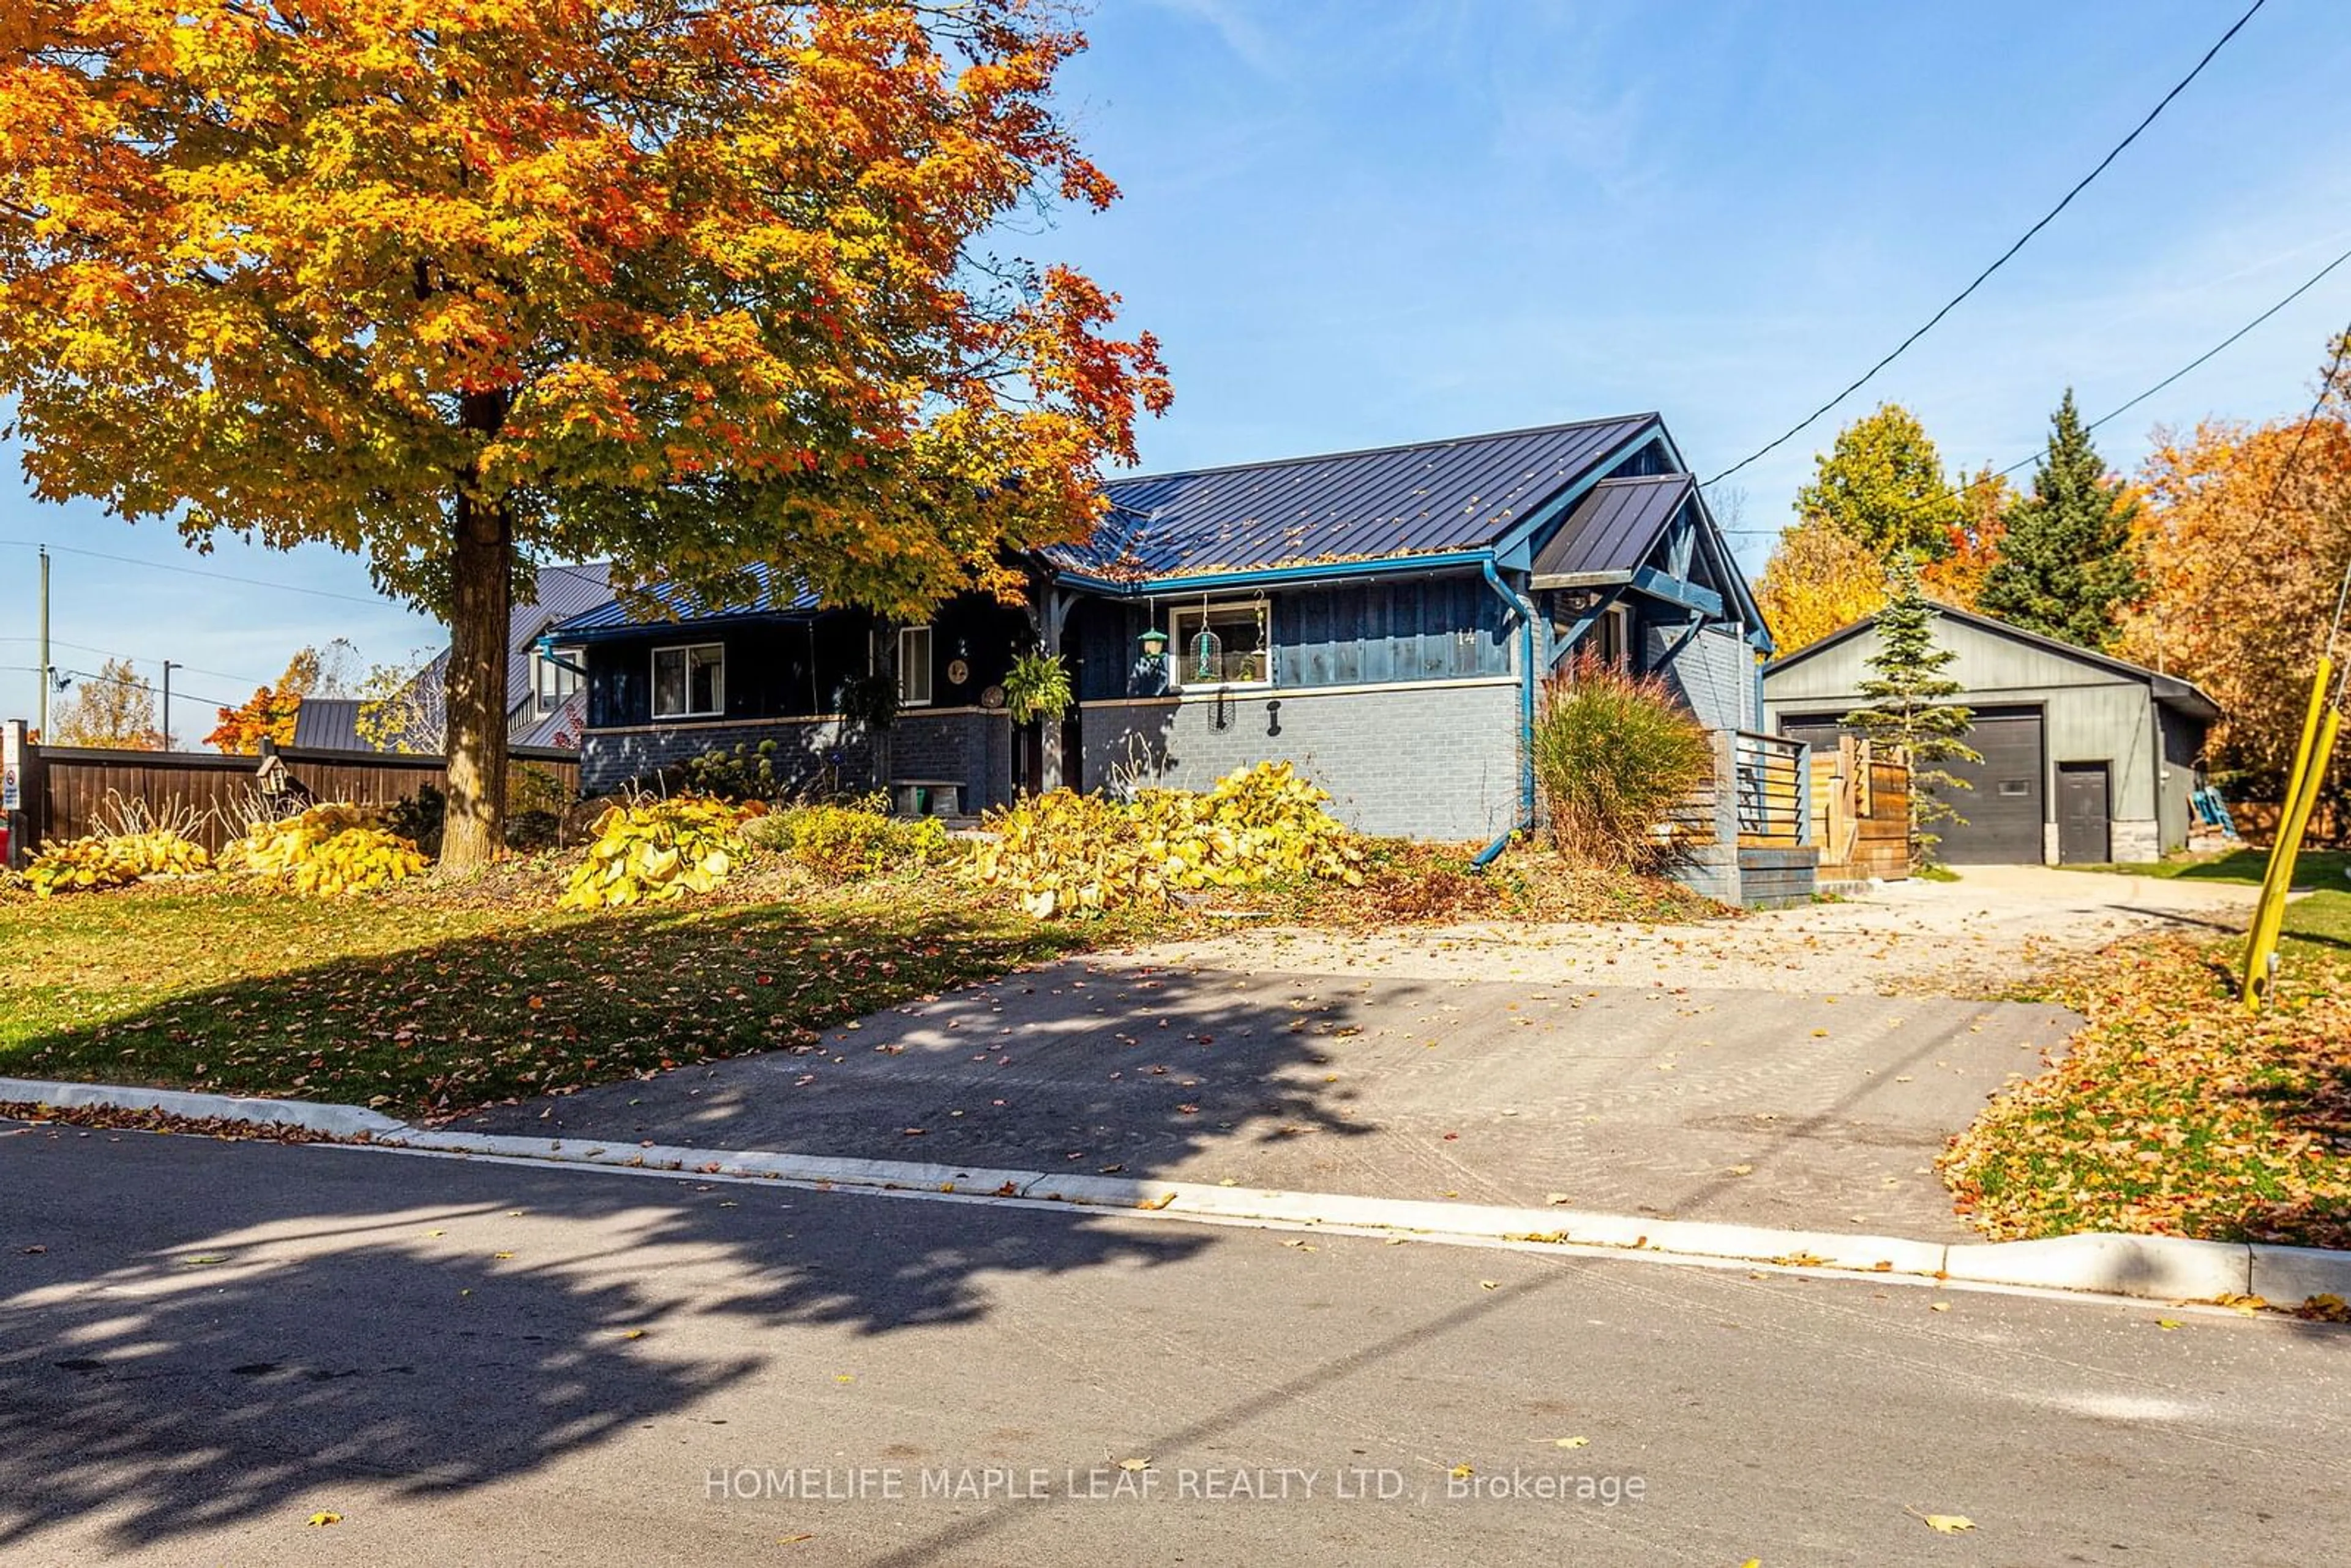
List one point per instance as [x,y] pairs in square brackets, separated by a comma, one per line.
[2083,820]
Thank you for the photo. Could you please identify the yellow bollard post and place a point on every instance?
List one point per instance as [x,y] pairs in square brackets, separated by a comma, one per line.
[2279,872]
[2269,919]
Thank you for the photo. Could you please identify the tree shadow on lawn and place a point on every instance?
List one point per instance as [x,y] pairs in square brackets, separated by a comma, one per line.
[544,1005]
[192,1344]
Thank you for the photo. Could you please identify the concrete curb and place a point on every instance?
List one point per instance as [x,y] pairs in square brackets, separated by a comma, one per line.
[2164,1268]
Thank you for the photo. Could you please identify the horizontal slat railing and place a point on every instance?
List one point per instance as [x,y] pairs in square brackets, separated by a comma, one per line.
[1774,790]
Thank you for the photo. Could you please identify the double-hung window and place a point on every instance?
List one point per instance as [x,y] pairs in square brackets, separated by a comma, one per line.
[691,682]
[1221,645]
[914,666]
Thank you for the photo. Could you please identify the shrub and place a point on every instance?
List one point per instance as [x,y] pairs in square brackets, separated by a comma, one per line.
[1069,854]
[324,851]
[745,772]
[1615,754]
[113,860]
[844,842]
[651,852]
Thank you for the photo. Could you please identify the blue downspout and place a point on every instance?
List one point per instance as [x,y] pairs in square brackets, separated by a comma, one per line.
[1526,614]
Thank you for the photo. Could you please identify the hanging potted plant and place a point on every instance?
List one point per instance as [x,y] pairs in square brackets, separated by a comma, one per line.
[1036,687]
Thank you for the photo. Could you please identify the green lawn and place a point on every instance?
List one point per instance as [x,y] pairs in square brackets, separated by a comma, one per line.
[429,1003]
[2312,868]
[2175,1112]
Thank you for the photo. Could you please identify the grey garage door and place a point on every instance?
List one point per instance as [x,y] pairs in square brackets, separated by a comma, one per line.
[2004,810]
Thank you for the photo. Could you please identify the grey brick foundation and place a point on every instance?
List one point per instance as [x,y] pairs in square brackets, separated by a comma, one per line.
[1437,761]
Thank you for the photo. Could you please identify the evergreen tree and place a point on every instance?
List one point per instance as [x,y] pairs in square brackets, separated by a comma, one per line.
[2067,568]
[1907,709]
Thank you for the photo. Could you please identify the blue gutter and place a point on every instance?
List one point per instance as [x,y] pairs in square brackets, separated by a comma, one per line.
[1526,614]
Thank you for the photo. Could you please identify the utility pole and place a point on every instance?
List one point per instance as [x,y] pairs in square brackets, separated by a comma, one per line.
[46,672]
[168,667]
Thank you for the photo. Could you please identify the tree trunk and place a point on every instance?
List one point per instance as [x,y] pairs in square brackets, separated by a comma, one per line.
[481,594]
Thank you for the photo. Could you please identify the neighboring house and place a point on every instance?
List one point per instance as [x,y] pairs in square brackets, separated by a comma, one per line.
[546,684]
[2086,758]
[1383,619]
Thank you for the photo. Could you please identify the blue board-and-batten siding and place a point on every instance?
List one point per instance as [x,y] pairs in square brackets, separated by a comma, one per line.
[1349,634]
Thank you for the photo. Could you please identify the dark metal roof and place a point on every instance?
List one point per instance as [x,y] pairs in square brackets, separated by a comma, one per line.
[331,723]
[2172,692]
[1396,501]
[613,615]
[1614,527]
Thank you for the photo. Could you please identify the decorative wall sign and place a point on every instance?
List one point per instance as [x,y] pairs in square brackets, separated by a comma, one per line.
[993,697]
[958,672]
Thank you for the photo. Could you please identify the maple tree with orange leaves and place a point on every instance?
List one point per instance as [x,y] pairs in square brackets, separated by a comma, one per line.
[696,286]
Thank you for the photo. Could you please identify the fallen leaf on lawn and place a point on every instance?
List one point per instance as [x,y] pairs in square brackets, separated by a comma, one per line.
[325,1517]
[1942,1523]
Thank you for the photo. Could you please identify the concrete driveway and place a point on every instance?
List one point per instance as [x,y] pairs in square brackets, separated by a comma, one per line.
[1982,935]
[1800,1068]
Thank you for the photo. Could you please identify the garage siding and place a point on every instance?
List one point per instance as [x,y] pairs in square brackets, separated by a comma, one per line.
[2090,713]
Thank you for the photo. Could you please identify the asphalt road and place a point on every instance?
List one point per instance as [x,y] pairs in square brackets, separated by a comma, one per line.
[1819,1111]
[203,1345]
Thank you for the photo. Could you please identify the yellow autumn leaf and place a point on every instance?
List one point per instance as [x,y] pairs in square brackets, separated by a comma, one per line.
[1944,1523]
[1143,1464]
[325,1517]
[1462,1472]
[1570,1442]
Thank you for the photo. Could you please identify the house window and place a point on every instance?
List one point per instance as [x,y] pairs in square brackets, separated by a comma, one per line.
[1612,637]
[1221,645]
[555,677]
[690,683]
[914,666]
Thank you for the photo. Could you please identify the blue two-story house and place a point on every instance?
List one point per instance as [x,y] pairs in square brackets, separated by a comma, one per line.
[1382,618]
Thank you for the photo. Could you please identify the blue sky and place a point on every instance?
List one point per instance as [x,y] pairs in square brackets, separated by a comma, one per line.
[1367,221]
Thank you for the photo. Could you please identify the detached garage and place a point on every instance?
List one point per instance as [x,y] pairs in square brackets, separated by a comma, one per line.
[2086,757]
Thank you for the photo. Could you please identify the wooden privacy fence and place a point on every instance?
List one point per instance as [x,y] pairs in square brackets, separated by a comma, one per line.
[66,788]
[1860,812]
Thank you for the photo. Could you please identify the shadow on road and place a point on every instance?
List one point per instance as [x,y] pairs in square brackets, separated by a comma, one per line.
[182,1354]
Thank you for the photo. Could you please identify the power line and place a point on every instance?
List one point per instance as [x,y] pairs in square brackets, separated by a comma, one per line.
[1947,492]
[2067,201]
[145,685]
[197,572]
[138,659]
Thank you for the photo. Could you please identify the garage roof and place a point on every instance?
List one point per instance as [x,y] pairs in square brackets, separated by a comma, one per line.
[2169,690]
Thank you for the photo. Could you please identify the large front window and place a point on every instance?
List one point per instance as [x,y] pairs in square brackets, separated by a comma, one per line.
[1221,645]
[690,683]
